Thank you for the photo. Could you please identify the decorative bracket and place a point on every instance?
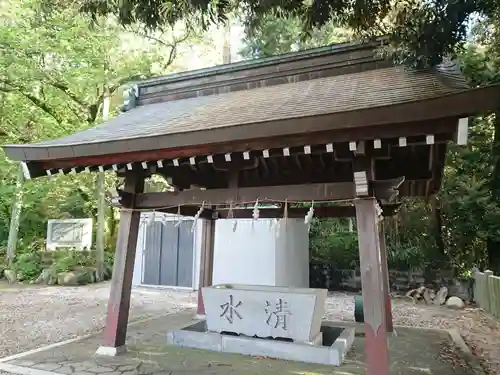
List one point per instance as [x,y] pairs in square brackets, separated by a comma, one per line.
[361,183]
[387,190]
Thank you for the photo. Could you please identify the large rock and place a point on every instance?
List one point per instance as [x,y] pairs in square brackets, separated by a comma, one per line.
[93,276]
[441,296]
[428,296]
[455,303]
[462,289]
[73,278]
[47,277]
[10,276]
[108,272]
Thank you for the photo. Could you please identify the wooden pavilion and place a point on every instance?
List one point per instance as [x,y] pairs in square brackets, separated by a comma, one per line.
[337,123]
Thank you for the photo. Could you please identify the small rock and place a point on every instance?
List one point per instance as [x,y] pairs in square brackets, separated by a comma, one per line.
[427,296]
[441,296]
[432,294]
[10,276]
[67,278]
[455,303]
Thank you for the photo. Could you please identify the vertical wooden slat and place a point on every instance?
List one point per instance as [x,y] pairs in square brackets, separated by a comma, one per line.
[168,242]
[152,253]
[479,292]
[115,331]
[206,261]
[185,255]
[495,295]
[377,351]
[487,293]
[385,277]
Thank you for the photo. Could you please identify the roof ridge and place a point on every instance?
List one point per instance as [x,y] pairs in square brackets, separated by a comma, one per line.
[265,61]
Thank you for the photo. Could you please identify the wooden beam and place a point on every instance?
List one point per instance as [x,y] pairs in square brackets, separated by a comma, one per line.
[206,261]
[385,277]
[292,193]
[121,283]
[377,351]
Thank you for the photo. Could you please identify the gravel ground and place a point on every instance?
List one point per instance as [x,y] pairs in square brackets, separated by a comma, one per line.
[31,317]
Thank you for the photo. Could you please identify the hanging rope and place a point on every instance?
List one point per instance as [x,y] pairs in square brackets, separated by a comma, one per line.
[179,216]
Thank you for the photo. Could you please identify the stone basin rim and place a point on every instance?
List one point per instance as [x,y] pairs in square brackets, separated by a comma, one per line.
[266,288]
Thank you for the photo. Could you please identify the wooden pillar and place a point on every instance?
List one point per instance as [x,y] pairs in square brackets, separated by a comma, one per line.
[385,277]
[206,261]
[115,331]
[377,352]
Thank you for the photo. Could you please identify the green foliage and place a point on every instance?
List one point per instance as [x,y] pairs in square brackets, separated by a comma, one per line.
[27,266]
[69,260]
[54,68]
[421,32]
[454,229]
[276,36]
[332,243]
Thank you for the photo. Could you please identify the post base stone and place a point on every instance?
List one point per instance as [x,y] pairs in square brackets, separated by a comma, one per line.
[111,351]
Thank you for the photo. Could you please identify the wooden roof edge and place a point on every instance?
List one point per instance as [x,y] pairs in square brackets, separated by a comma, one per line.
[261,62]
[461,104]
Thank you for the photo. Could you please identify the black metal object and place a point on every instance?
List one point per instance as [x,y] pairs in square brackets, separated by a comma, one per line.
[359,316]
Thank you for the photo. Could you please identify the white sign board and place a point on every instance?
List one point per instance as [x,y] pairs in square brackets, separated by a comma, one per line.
[75,233]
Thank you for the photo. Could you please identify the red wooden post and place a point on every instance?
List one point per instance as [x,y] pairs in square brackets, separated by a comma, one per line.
[206,261]
[385,276]
[377,352]
[115,331]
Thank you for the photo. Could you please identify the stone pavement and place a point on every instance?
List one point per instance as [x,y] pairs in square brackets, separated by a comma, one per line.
[413,352]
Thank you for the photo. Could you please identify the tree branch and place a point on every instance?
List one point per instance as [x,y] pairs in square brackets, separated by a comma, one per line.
[36,101]
[65,89]
[172,45]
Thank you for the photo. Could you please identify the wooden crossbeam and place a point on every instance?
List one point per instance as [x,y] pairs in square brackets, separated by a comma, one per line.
[169,201]
[291,193]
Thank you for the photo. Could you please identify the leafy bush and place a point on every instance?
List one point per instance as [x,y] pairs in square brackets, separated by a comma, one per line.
[69,260]
[27,266]
[332,243]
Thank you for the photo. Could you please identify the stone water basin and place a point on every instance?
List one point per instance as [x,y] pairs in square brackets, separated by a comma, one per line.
[265,311]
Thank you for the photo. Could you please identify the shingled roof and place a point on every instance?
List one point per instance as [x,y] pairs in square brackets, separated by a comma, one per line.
[354,99]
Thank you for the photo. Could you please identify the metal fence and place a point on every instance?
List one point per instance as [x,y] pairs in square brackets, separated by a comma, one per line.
[487,292]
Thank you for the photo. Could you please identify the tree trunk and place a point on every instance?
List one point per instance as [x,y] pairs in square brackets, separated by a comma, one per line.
[226,51]
[15,217]
[437,256]
[101,203]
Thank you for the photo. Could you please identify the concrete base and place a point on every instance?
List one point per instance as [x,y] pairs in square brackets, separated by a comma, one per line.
[336,343]
[110,351]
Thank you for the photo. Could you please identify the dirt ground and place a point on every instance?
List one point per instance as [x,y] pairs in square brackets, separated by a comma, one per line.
[35,316]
